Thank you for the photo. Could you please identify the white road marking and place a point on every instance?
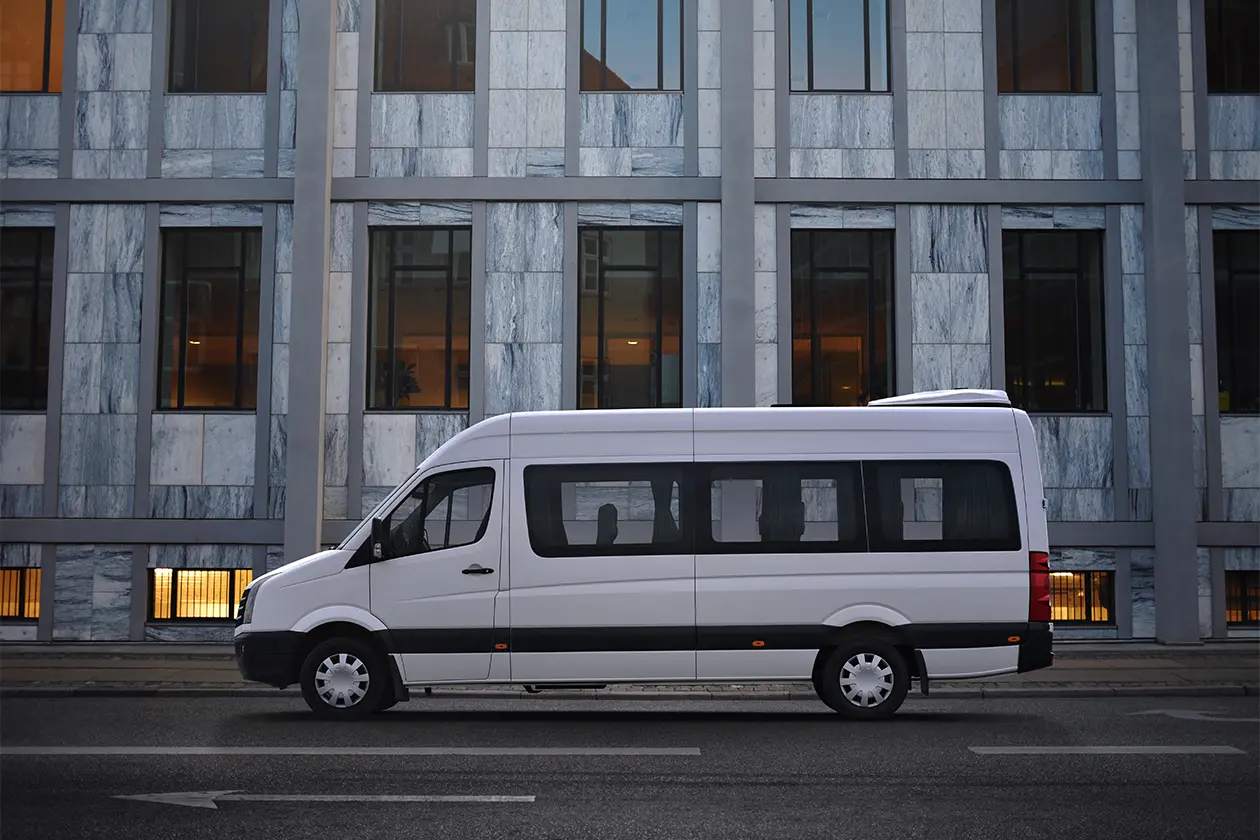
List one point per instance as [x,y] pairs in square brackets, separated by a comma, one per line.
[339,751]
[207,798]
[1192,714]
[1121,750]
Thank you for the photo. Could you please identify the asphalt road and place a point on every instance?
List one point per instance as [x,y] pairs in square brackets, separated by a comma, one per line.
[693,769]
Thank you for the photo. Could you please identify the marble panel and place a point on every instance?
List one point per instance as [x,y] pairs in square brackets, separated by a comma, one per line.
[510,163]
[709,123]
[1242,559]
[1079,505]
[32,122]
[711,163]
[1136,380]
[1126,61]
[336,503]
[132,16]
[189,122]
[1131,250]
[90,165]
[709,51]
[1076,166]
[710,15]
[236,164]
[92,597]
[178,445]
[93,120]
[925,60]
[21,501]
[1234,123]
[95,66]
[278,447]
[949,239]
[709,307]
[959,163]
[765,305]
[525,237]
[289,61]
[826,216]
[22,448]
[120,305]
[349,15]
[1022,165]
[1076,452]
[237,215]
[1082,559]
[764,163]
[1142,592]
[276,503]
[1128,122]
[383,213]
[508,119]
[336,449]
[20,555]
[816,163]
[524,307]
[280,379]
[522,377]
[1139,446]
[970,366]
[28,215]
[709,237]
[546,64]
[389,448]
[926,117]
[228,449]
[239,121]
[1234,166]
[1240,451]
[650,163]
[433,430]
[128,163]
[28,165]
[1242,504]
[1134,291]
[337,379]
[183,163]
[97,502]
[708,375]
[964,61]
[1130,165]
[766,374]
[964,120]
[371,497]
[543,163]
[1236,217]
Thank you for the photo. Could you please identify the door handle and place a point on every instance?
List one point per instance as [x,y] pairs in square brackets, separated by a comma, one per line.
[475,569]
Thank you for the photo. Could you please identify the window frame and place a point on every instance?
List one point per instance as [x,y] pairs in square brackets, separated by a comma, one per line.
[47,83]
[422,488]
[1076,86]
[1094,580]
[1227,356]
[193,88]
[45,250]
[25,575]
[236,588]
[1238,584]
[815,337]
[602,58]
[462,38]
[392,267]
[1020,396]
[658,336]
[810,87]
[240,403]
[709,472]
[1215,42]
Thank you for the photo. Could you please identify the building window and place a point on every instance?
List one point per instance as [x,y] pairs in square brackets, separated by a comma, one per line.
[196,594]
[420,300]
[1046,46]
[26,262]
[218,46]
[31,45]
[941,506]
[595,510]
[1082,597]
[426,46]
[1242,597]
[631,45]
[841,316]
[629,318]
[839,45]
[1055,350]
[796,507]
[1233,39]
[209,329]
[447,510]
[1236,257]
[19,593]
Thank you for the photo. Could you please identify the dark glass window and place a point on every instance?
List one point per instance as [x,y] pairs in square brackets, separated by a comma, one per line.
[795,507]
[218,46]
[19,593]
[595,510]
[1242,597]
[1236,257]
[1233,40]
[631,45]
[841,316]
[1046,46]
[420,299]
[26,264]
[196,594]
[629,318]
[941,506]
[1083,597]
[1055,350]
[32,41]
[446,510]
[426,45]
[209,328]
[839,45]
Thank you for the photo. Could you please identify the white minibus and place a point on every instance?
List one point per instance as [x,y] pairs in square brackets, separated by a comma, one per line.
[857,548]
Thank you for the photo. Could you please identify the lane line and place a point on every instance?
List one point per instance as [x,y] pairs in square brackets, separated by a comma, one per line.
[209,798]
[1121,750]
[6,751]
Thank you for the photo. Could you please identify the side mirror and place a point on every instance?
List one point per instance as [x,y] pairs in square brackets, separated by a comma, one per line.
[380,539]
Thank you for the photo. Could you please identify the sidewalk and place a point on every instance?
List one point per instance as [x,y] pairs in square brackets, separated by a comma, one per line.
[1082,669]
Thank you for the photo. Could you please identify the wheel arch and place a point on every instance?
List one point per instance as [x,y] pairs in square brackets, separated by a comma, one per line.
[377,639]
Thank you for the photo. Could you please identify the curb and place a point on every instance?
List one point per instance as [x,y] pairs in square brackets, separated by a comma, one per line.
[940,693]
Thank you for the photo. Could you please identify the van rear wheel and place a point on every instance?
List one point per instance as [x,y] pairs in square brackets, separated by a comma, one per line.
[343,679]
[864,679]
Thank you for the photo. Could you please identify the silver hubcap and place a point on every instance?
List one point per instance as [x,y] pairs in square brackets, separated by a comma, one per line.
[866,679]
[342,680]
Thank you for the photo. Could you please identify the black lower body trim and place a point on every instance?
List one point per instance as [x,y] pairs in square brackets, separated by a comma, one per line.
[268,657]
[1036,651]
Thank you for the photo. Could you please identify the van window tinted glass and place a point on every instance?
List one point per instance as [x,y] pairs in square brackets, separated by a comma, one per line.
[444,511]
[786,507]
[941,506]
[593,511]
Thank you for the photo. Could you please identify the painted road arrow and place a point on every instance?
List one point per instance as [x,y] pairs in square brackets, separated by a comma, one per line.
[208,798]
[1191,714]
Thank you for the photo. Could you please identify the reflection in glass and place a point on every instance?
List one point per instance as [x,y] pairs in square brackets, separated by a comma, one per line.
[1233,38]
[1236,258]
[1046,46]
[428,46]
[26,262]
[420,302]
[838,45]
[629,318]
[841,316]
[189,594]
[631,45]
[32,42]
[218,46]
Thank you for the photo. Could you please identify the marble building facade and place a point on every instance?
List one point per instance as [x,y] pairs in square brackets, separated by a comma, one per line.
[1159,486]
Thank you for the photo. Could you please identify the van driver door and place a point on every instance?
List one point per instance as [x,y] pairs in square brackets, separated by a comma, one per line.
[435,586]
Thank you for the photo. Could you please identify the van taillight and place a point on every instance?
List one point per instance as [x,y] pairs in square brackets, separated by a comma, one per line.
[1038,586]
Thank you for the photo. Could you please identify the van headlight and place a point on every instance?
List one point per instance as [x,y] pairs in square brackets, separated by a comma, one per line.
[245,612]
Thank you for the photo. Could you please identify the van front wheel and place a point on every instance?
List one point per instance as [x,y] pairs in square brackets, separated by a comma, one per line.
[864,680]
[343,679]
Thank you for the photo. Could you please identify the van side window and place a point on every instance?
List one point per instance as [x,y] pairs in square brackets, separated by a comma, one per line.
[941,506]
[607,510]
[444,511]
[785,507]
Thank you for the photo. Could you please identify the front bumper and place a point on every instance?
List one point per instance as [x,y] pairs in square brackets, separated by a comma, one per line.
[268,657]
[1036,649]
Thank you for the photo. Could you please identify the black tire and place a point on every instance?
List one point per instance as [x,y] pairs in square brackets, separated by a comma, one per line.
[350,673]
[866,669]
